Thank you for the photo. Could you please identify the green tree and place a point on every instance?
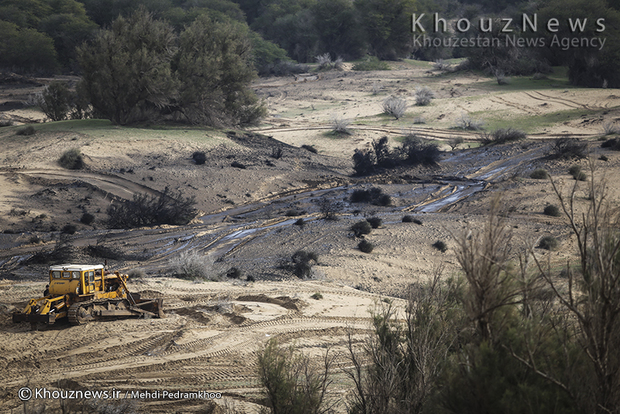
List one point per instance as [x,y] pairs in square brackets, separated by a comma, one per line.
[126,70]
[337,26]
[68,32]
[56,101]
[26,50]
[588,66]
[387,25]
[214,68]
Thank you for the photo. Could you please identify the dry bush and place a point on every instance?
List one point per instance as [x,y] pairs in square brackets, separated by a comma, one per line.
[611,128]
[193,265]
[468,123]
[340,125]
[72,159]
[423,95]
[145,210]
[565,148]
[395,106]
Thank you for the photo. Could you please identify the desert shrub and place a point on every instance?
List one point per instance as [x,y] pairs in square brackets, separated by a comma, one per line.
[340,125]
[292,385]
[192,265]
[365,246]
[325,62]
[419,120]
[468,123]
[455,142]
[441,65]
[87,218]
[69,229]
[552,210]
[317,296]
[63,252]
[5,122]
[294,213]
[283,68]
[199,157]
[250,278]
[361,227]
[577,174]
[303,262]
[612,144]
[371,63]
[136,274]
[375,222]
[415,152]
[395,106]
[539,174]
[611,128]
[35,239]
[277,152]
[570,148]
[503,135]
[237,164]
[56,101]
[329,208]
[376,88]
[411,219]
[548,243]
[27,130]
[501,78]
[363,162]
[310,148]
[384,200]
[104,252]
[72,159]
[234,273]
[145,210]
[441,246]
[383,156]
[300,222]
[603,158]
[423,95]
[361,196]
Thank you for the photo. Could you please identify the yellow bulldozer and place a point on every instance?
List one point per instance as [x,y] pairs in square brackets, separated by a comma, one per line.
[84,293]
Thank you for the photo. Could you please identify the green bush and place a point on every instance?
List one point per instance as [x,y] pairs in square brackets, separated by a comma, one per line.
[371,63]
[366,246]
[27,130]
[577,174]
[552,210]
[317,296]
[548,243]
[361,227]
[56,101]
[539,174]
[72,159]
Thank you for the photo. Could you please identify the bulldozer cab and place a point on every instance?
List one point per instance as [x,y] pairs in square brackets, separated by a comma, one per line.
[78,279]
